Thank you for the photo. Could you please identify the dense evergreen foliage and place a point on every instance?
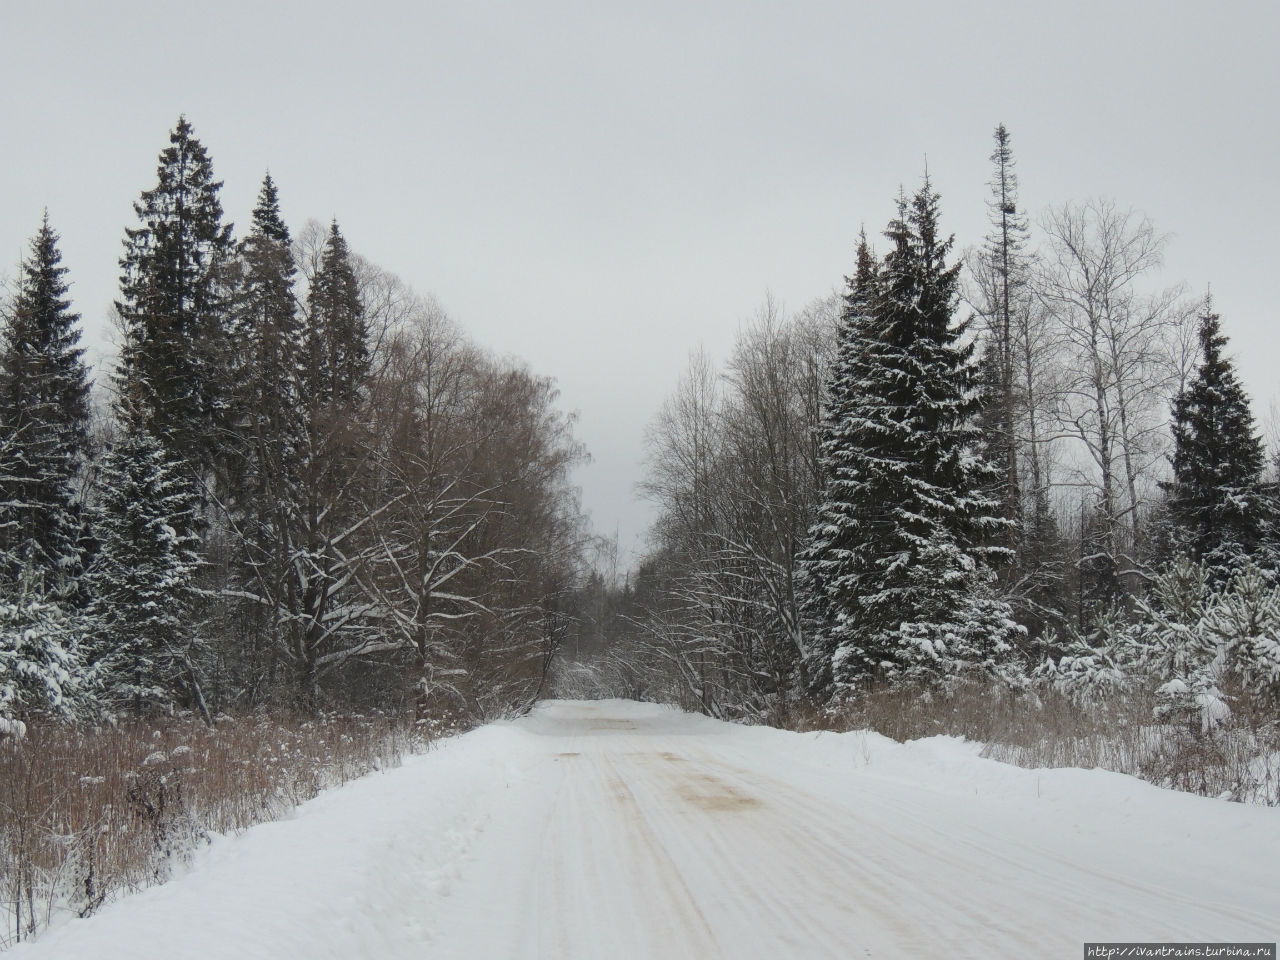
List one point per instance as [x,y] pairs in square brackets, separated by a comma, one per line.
[829,557]
[907,527]
[337,343]
[1215,494]
[40,668]
[267,337]
[44,420]
[143,579]
[175,358]
[262,482]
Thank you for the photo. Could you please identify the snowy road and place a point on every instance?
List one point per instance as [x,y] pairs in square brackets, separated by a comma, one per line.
[617,830]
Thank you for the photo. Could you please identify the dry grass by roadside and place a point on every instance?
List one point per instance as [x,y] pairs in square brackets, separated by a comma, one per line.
[1239,761]
[86,815]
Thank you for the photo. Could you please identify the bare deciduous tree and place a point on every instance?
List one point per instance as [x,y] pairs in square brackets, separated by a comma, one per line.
[1120,357]
[733,468]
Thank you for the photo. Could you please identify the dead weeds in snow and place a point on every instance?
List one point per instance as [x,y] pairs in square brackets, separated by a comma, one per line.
[88,814]
[1239,760]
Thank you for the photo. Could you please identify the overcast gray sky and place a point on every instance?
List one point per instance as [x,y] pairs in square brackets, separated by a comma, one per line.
[599,187]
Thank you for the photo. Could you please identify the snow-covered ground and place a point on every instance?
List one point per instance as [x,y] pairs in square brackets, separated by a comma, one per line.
[617,830]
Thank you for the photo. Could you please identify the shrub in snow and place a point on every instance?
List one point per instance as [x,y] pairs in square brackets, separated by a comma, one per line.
[1196,645]
[1082,673]
[1196,702]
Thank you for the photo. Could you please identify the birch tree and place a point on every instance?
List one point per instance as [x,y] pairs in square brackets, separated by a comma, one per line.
[1119,362]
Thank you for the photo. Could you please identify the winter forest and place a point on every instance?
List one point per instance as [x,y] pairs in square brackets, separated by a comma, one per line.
[1012,490]
[1017,476]
[299,486]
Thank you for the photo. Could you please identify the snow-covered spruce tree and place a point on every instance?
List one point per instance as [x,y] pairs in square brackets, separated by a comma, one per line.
[1215,495]
[175,359]
[44,414]
[833,537]
[40,670]
[908,527]
[143,651]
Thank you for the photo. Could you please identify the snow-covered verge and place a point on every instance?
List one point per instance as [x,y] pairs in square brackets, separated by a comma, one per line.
[1240,762]
[341,875]
[90,814]
[1118,729]
[630,830]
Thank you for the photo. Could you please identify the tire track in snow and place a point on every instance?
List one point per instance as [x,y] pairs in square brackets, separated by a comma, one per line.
[989,866]
[718,853]
[801,863]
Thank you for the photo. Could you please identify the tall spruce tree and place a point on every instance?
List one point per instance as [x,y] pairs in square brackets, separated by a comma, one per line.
[1004,257]
[263,474]
[175,364]
[324,614]
[908,526]
[144,651]
[338,336]
[1010,420]
[268,339]
[825,558]
[1215,497]
[44,414]
[265,316]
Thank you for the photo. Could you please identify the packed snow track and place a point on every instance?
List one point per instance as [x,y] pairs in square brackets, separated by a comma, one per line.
[618,830]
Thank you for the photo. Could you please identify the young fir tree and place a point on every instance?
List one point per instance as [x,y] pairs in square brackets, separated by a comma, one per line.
[175,364]
[141,579]
[1215,499]
[44,414]
[907,526]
